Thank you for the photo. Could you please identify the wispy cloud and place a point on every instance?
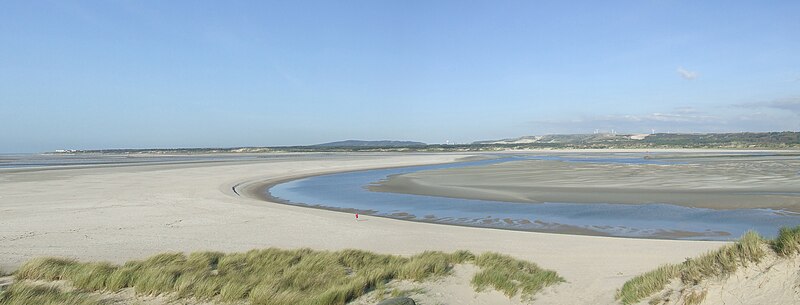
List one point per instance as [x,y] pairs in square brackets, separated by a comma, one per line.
[791,104]
[686,74]
[685,119]
[681,117]
[687,110]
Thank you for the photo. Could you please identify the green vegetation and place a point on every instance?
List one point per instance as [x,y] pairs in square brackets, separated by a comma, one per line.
[274,276]
[512,276]
[743,140]
[751,248]
[723,140]
[725,260]
[788,241]
[647,284]
[27,294]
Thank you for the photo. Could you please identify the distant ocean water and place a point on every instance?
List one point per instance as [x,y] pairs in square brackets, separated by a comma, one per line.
[51,160]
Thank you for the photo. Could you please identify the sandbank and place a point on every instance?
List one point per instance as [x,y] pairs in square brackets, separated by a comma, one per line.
[707,182]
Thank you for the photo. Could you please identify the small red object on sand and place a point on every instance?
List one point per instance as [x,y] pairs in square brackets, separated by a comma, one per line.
[356,216]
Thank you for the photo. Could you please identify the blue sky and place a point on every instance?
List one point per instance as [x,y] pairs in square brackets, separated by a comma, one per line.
[118,74]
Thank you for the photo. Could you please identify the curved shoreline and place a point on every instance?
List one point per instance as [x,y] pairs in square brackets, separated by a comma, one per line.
[256,188]
[259,189]
[262,195]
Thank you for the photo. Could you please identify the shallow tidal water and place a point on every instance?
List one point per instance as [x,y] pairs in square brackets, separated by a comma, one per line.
[347,192]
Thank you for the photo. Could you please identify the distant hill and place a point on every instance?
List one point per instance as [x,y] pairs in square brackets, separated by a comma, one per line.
[359,143]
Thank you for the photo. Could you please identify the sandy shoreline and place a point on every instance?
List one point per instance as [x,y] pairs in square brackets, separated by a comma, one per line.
[121,213]
[256,188]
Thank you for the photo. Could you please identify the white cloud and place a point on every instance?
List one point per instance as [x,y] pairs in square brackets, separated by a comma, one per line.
[686,74]
[695,117]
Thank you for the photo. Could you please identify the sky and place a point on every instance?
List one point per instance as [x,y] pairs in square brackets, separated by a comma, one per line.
[161,74]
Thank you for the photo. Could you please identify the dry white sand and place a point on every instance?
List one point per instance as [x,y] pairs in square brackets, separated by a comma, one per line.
[131,212]
[773,281]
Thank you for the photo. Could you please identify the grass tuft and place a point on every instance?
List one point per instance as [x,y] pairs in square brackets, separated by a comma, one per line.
[512,276]
[46,268]
[28,294]
[725,260]
[646,284]
[122,277]
[90,277]
[426,264]
[788,241]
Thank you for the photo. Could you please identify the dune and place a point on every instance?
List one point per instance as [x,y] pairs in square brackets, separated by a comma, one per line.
[774,281]
[752,270]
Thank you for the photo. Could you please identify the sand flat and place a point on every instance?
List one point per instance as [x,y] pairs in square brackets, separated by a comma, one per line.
[709,183]
[122,213]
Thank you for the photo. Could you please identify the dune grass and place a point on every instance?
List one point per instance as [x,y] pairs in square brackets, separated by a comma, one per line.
[648,283]
[274,276]
[28,294]
[788,241]
[725,260]
[512,276]
[750,248]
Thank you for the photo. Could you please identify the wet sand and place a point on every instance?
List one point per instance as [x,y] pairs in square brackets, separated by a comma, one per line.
[708,182]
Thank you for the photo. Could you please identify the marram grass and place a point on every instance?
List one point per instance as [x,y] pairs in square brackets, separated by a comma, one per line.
[274,276]
[723,261]
[512,276]
[648,283]
[750,248]
[788,241]
[29,294]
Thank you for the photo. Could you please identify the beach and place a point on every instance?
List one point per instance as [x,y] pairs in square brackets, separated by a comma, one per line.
[119,213]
